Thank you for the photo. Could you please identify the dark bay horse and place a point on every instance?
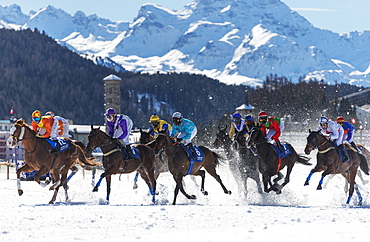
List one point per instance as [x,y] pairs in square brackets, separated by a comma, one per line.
[38,157]
[242,162]
[114,161]
[159,165]
[329,161]
[179,164]
[269,163]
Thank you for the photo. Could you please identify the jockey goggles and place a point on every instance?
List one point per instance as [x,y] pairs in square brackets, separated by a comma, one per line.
[36,119]
[236,120]
[110,117]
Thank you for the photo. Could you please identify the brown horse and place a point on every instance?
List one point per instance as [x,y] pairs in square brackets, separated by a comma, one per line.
[159,165]
[329,161]
[179,164]
[38,157]
[269,164]
[114,161]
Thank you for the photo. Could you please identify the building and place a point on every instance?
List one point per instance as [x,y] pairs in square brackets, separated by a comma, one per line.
[6,153]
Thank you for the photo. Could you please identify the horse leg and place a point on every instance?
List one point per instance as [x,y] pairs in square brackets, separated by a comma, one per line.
[24,168]
[74,170]
[93,172]
[135,181]
[65,186]
[266,181]
[108,180]
[147,180]
[358,195]
[43,171]
[104,174]
[202,174]
[54,195]
[212,171]
[275,186]
[287,177]
[351,180]
[180,187]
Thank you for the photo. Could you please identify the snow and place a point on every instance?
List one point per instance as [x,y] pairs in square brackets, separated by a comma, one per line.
[300,213]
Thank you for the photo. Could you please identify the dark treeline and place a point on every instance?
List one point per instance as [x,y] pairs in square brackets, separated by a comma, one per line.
[37,73]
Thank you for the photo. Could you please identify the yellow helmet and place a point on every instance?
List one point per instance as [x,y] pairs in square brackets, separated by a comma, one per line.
[154,118]
[36,114]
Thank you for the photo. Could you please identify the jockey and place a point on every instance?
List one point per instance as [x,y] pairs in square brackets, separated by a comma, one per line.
[43,125]
[348,131]
[60,126]
[184,130]
[237,125]
[157,125]
[249,123]
[119,127]
[271,127]
[335,133]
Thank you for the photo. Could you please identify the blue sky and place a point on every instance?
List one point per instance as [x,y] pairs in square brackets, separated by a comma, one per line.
[336,15]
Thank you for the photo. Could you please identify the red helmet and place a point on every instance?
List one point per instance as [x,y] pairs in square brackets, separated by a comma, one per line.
[340,119]
[262,114]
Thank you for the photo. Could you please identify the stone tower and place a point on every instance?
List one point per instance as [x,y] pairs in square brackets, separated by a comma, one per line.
[112,93]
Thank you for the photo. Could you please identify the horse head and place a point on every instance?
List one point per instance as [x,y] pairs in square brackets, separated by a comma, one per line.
[95,139]
[222,138]
[145,137]
[162,141]
[315,139]
[18,133]
[256,136]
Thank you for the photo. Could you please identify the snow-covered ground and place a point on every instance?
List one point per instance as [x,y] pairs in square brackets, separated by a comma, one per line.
[299,214]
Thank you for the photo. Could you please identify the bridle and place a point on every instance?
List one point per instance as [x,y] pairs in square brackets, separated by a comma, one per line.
[21,136]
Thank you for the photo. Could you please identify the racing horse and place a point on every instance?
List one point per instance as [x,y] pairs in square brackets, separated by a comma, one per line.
[159,165]
[242,166]
[269,162]
[329,161]
[179,164]
[38,157]
[114,161]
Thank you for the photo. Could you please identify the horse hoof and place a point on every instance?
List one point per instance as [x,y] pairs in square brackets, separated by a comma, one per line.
[20,192]
[95,189]
[51,202]
[307,183]
[193,197]
[205,193]
[228,192]
[135,186]
[278,192]
[319,187]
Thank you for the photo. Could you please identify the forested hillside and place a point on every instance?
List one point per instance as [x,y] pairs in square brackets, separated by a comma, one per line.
[37,73]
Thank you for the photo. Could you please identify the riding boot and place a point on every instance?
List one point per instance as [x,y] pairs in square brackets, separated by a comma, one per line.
[278,144]
[129,152]
[345,153]
[191,147]
[57,148]
[355,146]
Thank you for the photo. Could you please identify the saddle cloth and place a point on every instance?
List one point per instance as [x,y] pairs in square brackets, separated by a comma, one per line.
[198,158]
[134,152]
[62,142]
[286,150]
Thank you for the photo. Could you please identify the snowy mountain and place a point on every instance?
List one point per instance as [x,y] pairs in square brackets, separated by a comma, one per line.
[235,41]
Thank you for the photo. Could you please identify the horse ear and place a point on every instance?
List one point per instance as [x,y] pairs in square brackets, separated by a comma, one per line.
[309,130]
[92,127]
[141,130]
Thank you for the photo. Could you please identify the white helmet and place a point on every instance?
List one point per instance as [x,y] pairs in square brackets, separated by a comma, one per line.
[323,120]
[177,115]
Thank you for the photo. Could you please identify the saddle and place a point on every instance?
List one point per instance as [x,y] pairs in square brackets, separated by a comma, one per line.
[134,152]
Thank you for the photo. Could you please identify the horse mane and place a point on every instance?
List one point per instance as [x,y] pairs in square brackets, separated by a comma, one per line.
[21,122]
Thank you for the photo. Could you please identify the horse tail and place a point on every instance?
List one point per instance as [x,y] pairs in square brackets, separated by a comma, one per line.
[363,165]
[83,160]
[218,158]
[303,160]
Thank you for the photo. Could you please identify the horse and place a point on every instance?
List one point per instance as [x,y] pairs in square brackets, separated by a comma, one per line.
[242,166]
[159,165]
[329,161]
[38,157]
[179,164]
[269,162]
[114,161]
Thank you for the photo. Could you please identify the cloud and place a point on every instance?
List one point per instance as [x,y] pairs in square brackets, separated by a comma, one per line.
[314,9]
